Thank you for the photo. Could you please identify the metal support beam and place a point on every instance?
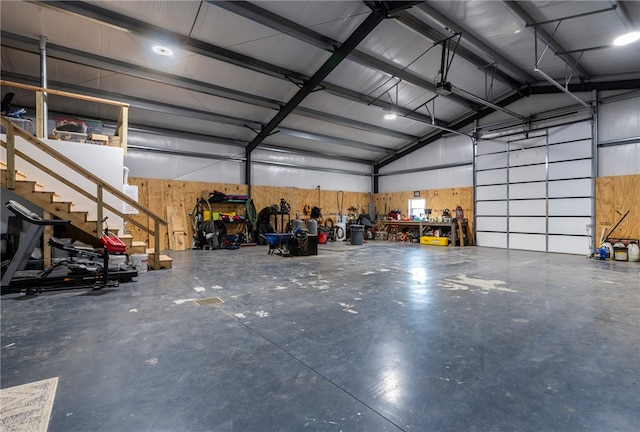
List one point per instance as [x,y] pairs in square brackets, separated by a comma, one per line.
[420,27]
[212,51]
[562,88]
[93,60]
[366,27]
[624,16]
[166,108]
[468,36]
[456,126]
[521,14]
[487,103]
[290,28]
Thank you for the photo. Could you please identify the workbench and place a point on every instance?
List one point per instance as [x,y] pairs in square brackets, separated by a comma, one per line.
[424,226]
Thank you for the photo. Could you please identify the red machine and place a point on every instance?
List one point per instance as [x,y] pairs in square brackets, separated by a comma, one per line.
[110,242]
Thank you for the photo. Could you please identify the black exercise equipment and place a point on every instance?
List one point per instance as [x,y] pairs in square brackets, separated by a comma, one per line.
[65,274]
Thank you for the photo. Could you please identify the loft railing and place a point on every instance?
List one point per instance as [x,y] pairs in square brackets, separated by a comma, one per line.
[123,119]
[14,130]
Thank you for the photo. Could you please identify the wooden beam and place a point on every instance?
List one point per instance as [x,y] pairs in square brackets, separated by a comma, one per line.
[123,127]
[41,128]
[11,156]
[63,93]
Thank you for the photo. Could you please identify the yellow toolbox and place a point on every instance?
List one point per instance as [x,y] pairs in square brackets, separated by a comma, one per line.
[436,241]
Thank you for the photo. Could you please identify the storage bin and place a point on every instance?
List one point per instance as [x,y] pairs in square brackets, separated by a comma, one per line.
[434,241]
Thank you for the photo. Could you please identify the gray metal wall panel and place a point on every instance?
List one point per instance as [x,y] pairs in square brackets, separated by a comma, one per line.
[619,119]
[619,160]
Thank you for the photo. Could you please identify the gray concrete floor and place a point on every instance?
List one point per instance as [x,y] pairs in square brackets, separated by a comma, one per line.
[380,337]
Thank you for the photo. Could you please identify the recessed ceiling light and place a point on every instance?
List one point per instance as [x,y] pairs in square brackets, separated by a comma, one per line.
[390,116]
[626,39]
[162,50]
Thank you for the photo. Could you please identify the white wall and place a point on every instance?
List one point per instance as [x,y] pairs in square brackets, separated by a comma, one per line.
[269,168]
[619,121]
[447,150]
[103,161]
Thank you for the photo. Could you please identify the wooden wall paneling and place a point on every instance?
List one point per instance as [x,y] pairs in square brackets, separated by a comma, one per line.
[614,197]
[437,201]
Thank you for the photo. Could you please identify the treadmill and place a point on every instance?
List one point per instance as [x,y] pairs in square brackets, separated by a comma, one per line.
[67,274]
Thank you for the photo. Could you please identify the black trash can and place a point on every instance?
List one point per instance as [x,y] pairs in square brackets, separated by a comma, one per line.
[357,234]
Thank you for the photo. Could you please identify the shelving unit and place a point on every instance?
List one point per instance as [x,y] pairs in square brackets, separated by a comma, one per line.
[450,229]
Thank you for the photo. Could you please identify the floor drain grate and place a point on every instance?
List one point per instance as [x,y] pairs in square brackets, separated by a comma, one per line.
[209,301]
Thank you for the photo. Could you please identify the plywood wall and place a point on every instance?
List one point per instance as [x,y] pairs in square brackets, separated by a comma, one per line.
[437,201]
[182,196]
[614,197]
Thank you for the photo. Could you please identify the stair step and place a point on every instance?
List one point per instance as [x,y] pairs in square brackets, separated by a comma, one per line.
[126,239]
[138,247]
[60,206]
[165,260]
[19,174]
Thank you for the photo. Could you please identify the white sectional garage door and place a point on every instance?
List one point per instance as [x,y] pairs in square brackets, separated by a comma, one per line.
[535,192]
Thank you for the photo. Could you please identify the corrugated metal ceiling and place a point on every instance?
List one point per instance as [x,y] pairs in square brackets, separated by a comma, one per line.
[235,64]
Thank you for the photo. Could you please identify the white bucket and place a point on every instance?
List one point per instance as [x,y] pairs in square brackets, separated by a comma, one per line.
[140,262]
[634,252]
[341,231]
[119,261]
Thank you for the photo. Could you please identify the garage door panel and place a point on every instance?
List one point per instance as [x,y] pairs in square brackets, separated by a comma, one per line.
[528,190]
[571,132]
[549,190]
[570,188]
[569,244]
[528,208]
[572,169]
[527,173]
[489,223]
[569,225]
[536,242]
[485,147]
[528,156]
[570,207]
[490,161]
[528,225]
[491,208]
[491,176]
[491,192]
[568,151]
[489,239]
